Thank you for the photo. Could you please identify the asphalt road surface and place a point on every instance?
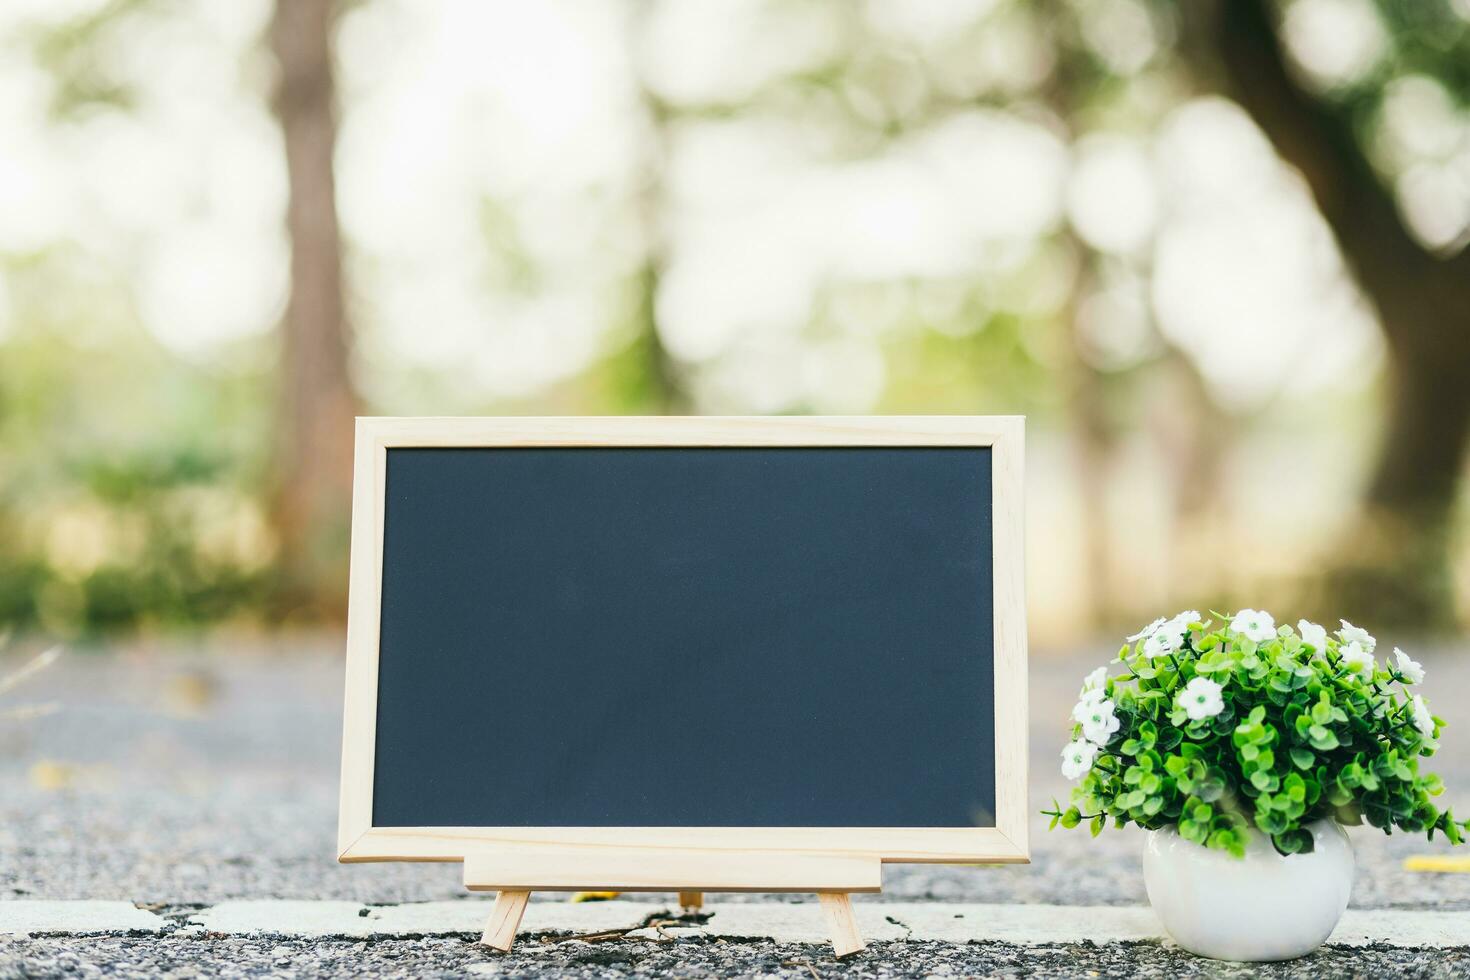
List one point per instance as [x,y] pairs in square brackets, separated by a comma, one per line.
[185,777]
[271,957]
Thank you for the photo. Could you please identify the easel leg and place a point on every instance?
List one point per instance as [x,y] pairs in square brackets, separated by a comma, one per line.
[841,923]
[505,919]
[691,900]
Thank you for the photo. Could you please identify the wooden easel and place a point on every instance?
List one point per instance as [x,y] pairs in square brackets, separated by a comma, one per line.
[515,874]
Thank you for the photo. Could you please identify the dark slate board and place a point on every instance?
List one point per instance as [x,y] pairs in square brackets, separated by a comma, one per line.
[681,637]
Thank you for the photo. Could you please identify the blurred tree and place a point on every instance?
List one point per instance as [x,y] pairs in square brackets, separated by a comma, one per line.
[659,378]
[1089,405]
[1397,562]
[855,85]
[317,402]
[130,477]
[81,81]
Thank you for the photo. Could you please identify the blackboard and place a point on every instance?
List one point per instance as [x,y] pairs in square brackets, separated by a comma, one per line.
[686,636]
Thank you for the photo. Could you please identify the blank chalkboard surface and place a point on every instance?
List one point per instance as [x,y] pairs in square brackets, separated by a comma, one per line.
[699,637]
[763,654]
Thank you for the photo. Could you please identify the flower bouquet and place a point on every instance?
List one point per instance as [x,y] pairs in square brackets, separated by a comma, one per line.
[1241,734]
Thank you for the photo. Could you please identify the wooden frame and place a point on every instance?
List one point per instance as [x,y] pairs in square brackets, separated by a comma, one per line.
[689,859]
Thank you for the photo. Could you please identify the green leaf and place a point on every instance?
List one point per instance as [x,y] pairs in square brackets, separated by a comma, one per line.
[1314,791]
[1322,739]
[1097,824]
[1302,758]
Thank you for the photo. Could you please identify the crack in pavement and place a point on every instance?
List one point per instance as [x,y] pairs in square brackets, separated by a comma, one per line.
[1033,925]
[902,925]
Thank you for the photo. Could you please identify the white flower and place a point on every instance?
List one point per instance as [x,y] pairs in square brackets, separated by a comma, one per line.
[1084,707]
[1423,721]
[1182,620]
[1313,635]
[1355,658]
[1254,625]
[1412,670]
[1162,643]
[1147,631]
[1358,635]
[1098,722]
[1165,636]
[1094,682]
[1077,758]
[1201,698]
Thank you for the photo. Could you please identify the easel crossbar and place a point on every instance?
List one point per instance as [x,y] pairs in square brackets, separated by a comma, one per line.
[632,869]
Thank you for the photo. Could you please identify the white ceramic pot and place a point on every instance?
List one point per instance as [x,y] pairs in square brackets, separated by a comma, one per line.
[1265,907]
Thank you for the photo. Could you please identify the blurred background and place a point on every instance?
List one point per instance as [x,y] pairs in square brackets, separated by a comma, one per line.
[1216,252]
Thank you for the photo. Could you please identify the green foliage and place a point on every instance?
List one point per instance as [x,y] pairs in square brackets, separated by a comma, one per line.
[131,480]
[1428,37]
[74,54]
[141,540]
[1224,732]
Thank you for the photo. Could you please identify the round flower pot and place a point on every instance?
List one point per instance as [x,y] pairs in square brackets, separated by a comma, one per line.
[1264,907]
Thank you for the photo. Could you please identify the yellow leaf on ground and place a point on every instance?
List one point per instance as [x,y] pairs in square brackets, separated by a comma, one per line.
[189,694]
[49,775]
[1436,862]
[594,896]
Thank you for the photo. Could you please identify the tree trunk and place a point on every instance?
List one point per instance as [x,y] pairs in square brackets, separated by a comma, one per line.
[657,373]
[316,402]
[1399,558]
[1396,562]
[660,375]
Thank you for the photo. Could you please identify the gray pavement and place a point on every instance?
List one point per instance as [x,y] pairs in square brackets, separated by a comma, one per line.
[191,777]
[266,956]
